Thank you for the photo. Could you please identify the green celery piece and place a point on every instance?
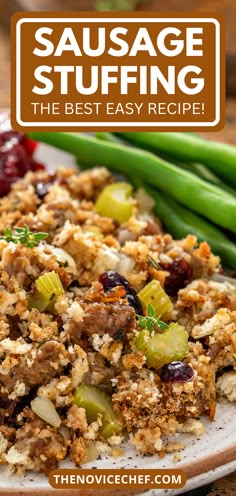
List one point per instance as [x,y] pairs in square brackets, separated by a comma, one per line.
[162,348]
[153,293]
[95,401]
[115,202]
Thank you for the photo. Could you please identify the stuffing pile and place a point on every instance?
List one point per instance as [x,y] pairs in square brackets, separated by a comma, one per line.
[86,341]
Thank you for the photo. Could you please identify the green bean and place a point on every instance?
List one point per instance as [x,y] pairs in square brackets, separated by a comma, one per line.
[188,189]
[203,172]
[198,169]
[219,157]
[180,222]
[196,135]
[105,136]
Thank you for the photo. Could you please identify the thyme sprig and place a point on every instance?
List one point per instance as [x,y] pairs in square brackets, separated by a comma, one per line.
[23,236]
[153,262]
[150,321]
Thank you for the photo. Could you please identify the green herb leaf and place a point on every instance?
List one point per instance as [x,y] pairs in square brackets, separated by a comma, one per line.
[162,325]
[23,236]
[39,236]
[152,262]
[150,310]
[7,232]
[151,321]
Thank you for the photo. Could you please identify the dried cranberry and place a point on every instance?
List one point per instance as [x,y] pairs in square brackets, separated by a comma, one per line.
[42,188]
[181,274]
[176,372]
[15,155]
[110,279]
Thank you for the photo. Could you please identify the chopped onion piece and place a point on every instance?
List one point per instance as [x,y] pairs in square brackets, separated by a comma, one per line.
[222,278]
[66,260]
[92,452]
[125,264]
[65,432]
[145,201]
[45,409]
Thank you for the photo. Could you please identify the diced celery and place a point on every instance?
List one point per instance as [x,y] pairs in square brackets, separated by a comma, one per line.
[161,348]
[115,202]
[39,301]
[96,401]
[154,293]
[48,286]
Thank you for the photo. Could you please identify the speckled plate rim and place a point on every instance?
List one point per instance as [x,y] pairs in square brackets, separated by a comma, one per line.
[205,470]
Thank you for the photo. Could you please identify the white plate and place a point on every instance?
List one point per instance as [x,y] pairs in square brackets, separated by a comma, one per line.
[205,459]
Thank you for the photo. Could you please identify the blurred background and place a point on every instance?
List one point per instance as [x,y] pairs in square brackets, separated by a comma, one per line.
[225,7]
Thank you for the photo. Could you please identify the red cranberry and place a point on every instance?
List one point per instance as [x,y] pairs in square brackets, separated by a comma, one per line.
[176,372]
[181,274]
[110,279]
[15,155]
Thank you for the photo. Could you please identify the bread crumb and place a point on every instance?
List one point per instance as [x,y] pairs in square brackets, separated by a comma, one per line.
[171,447]
[19,390]
[79,367]
[15,457]
[75,312]
[226,385]
[3,443]
[117,452]
[193,426]
[99,341]
[76,418]
[147,440]
[78,451]
[177,457]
